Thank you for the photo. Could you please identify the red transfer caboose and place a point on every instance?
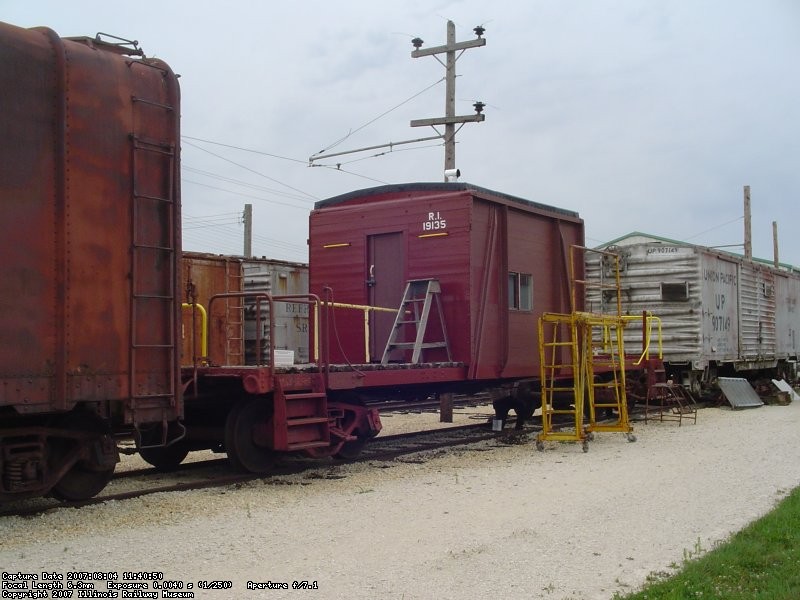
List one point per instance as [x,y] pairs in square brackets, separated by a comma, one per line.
[499,262]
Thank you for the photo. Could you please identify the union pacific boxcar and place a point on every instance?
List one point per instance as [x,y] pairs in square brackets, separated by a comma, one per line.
[721,314]
[89,250]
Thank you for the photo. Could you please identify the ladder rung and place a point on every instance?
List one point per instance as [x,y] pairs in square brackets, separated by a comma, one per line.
[152,103]
[159,198]
[151,247]
[136,346]
[303,395]
[305,421]
[304,445]
[152,297]
[412,344]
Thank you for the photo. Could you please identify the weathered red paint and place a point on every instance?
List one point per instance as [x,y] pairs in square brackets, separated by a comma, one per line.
[83,264]
[468,238]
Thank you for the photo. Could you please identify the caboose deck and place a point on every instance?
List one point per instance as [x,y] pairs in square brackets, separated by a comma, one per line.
[261,379]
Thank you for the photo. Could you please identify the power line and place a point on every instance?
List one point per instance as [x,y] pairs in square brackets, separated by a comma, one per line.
[713,228]
[244,195]
[241,183]
[252,171]
[297,160]
[368,123]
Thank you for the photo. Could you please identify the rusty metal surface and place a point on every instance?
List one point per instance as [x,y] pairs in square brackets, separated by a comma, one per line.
[69,224]
[204,275]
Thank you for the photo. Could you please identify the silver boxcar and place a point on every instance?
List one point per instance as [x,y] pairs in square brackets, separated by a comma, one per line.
[720,313]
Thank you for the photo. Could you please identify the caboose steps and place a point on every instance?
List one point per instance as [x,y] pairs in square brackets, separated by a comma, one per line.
[300,420]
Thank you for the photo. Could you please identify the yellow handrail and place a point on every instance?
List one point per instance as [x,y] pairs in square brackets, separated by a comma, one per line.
[203,328]
[649,318]
[366,310]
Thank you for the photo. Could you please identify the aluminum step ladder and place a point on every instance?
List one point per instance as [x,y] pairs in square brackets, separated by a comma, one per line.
[419,297]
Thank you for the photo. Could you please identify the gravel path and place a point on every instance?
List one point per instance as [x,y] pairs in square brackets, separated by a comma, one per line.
[494,520]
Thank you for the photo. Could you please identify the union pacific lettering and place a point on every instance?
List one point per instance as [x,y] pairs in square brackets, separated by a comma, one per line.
[722,277]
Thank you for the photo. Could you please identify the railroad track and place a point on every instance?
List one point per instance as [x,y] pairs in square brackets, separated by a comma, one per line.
[206,474]
[217,472]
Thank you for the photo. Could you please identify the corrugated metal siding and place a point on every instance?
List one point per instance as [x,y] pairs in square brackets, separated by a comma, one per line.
[757,318]
[737,311]
[787,317]
[278,278]
[643,269]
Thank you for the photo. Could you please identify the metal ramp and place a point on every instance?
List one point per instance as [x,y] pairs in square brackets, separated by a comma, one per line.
[739,392]
[419,297]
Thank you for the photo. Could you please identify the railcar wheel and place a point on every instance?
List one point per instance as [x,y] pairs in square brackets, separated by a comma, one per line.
[351,450]
[165,458]
[85,479]
[246,437]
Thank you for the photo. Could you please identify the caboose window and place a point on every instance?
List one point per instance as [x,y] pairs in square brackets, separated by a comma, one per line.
[520,291]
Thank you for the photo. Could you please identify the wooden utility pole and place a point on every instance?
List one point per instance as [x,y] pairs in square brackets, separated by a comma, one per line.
[775,244]
[247,217]
[748,241]
[450,119]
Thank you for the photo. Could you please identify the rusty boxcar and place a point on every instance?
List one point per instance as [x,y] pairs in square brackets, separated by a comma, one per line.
[89,249]
[237,328]
[498,261]
[721,314]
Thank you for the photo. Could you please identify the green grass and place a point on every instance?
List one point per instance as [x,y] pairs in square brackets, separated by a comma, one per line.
[761,562]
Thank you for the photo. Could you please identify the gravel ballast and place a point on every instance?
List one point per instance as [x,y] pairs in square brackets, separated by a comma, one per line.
[491,520]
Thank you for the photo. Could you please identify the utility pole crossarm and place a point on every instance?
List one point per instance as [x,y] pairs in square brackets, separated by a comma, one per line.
[455,47]
[450,120]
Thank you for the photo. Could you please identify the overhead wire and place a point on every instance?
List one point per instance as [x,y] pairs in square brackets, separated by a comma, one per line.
[251,150]
[691,237]
[380,116]
[222,226]
[245,195]
[241,183]
[246,168]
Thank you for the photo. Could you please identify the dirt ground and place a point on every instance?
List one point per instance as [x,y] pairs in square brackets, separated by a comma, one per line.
[490,521]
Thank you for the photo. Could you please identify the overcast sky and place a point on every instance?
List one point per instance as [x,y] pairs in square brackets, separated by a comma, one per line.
[641,116]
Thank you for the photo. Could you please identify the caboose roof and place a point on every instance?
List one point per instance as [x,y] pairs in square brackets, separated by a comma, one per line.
[392,191]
